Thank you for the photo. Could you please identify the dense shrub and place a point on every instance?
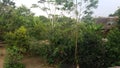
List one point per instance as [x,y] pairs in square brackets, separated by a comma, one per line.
[38,48]
[18,44]
[62,44]
[19,38]
[13,58]
[38,31]
[113,47]
[61,38]
[91,52]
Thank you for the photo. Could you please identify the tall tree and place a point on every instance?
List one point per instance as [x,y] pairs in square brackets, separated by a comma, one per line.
[83,8]
[80,9]
[6,7]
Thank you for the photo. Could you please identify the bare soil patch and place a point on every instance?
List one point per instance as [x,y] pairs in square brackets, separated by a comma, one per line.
[2,56]
[35,62]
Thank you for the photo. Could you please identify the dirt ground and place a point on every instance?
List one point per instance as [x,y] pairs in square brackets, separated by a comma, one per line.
[2,56]
[35,62]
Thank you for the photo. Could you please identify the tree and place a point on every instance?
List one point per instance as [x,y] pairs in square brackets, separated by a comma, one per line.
[16,17]
[80,9]
[6,7]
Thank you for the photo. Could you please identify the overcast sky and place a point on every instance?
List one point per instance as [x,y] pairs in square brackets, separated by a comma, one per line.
[105,7]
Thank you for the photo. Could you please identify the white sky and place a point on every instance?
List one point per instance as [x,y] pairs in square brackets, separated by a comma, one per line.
[105,7]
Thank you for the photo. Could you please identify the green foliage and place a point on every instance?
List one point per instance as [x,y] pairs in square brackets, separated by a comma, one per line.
[5,11]
[61,50]
[62,44]
[38,31]
[113,47]
[14,65]
[18,38]
[43,19]
[26,33]
[15,19]
[91,52]
[66,20]
[53,52]
[17,45]
[7,2]
[60,1]
[13,58]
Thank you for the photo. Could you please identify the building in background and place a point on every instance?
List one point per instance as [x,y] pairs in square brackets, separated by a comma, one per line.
[107,22]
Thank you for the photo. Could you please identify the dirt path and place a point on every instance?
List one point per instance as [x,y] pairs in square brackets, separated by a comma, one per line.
[35,62]
[2,56]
